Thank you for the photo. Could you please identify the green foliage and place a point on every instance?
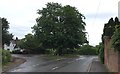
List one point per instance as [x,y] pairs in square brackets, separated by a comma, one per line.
[27,42]
[65,51]
[109,27]
[6,56]
[51,51]
[88,50]
[30,44]
[6,36]
[116,38]
[112,30]
[101,52]
[60,27]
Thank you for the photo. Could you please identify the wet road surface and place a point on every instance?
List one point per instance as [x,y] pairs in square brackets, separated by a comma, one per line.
[40,63]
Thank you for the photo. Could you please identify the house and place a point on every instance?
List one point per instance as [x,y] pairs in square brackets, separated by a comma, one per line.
[12,46]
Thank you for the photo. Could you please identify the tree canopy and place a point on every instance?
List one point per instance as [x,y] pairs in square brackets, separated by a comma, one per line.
[6,36]
[60,27]
[27,42]
[112,30]
[109,28]
[30,44]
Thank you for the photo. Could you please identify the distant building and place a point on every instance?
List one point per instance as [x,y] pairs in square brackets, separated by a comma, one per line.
[12,46]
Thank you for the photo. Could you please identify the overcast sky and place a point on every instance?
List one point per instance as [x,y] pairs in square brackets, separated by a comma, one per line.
[21,14]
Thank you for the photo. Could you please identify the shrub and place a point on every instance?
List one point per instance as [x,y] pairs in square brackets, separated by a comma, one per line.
[6,56]
[51,51]
[101,54]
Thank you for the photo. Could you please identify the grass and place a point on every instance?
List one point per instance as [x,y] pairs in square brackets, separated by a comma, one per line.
[0,58]
[14,63]
[5,57]
[53,57]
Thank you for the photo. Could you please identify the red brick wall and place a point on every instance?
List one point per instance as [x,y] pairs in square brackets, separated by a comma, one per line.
[111,56]
[119,62]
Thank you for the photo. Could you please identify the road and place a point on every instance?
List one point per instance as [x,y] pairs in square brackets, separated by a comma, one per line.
[40,63]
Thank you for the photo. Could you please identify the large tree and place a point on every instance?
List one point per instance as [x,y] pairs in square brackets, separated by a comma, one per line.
[60,27]
[6,36]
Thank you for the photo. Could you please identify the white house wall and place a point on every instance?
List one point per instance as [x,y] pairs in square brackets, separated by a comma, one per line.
[10,47]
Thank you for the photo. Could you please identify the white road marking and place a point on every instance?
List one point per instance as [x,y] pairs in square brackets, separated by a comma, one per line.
[35,65]
[16,70]
[54,68]
[80,58]
[59,59]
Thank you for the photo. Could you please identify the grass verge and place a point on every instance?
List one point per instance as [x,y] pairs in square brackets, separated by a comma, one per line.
[16,62]
[53,57]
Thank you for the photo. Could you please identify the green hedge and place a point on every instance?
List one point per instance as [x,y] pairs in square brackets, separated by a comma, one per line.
[116,38]
[101,54]
[6,56]
[88,50]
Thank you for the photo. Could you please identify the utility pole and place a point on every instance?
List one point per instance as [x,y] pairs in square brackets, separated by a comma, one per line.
[119,10]
[0,33]
[0,45]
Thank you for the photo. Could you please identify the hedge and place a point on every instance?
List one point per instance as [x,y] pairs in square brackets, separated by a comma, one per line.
[88,50]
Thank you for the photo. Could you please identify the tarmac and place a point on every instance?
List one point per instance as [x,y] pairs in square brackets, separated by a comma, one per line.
[97,66]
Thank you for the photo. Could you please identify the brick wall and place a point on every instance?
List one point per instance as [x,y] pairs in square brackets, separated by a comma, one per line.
[111,56]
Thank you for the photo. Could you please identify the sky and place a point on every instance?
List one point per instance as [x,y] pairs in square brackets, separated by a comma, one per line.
[21,14]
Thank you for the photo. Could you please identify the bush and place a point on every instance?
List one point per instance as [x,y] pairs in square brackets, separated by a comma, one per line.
[101,54]
[6,56]
[51,51]
[87,50]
